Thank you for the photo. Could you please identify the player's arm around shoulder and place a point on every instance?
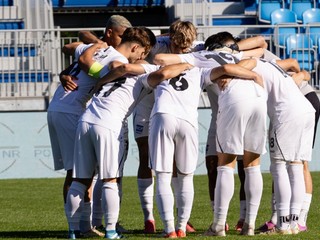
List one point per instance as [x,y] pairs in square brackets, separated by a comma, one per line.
[252,43]
[235,70]
[121,71]
[248,63]
[86,61]
[88,37]
[70,48]
[67,81]
[164,59]
[167,72]
[257,52]
[289,64]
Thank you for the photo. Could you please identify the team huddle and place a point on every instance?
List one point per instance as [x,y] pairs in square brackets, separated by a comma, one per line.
[159,81]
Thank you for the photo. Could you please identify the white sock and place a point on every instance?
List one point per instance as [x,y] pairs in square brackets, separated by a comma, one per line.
[305,209]
[145,189]
[110,204]
[274,216]
[185,199]
[165,200]
[223,193]
[175,188]
[297,187]
[85,221]
[253,188]
[97,213]
[74,204]
[243,209]
[282,191]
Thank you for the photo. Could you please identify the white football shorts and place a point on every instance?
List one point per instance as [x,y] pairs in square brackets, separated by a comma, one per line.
[172,137]
[242,126]
[292,140]
[99,146]
[62,131]
[140,126]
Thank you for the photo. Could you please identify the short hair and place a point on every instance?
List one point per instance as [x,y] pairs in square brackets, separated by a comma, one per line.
[138,35]
[182,33]
[152,37]
[118,21]
[219,40]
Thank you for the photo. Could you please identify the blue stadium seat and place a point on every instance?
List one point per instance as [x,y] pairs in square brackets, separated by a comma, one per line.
[283,15]
[318,48]
[133,3]
[86,3]
[158,3]
[311,16]
[313,32]
[266,7]
[19,51]
[11,25]
[311,19]
[58,3]
[24,77]
[299,6]
[300,47]
[218,21]
[285,23]
[6,2]
[250,6]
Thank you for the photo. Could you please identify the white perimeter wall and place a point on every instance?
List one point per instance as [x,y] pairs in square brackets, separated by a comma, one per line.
[25,150]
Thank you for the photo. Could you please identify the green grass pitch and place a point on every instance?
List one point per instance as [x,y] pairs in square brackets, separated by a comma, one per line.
[33,209]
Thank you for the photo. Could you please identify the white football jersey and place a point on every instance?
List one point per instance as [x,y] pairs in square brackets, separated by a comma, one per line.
[76,101]
[237,89]
[179,96]
[116,100]
[285,100]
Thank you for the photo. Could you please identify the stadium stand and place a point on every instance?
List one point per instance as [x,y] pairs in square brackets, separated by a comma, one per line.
[86,3]
[300,47]
[311,15]
[6,2]
[285,23]
[266,7]
[318,48]
[28,59]
[299,6]
[311,20]
[76,13]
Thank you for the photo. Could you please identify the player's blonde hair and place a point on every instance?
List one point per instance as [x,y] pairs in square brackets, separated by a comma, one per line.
[118,21]
[182,33]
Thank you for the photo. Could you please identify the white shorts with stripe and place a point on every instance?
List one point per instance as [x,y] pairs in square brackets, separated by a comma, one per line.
[292,140]
[242,126]
[140,126]
[100,147]
[169,138]
[62,131]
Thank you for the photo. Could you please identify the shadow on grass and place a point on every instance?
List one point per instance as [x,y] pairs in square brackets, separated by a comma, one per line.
[62,234]
[34,234]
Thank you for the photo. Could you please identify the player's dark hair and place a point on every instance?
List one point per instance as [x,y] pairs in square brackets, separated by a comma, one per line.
[152,37]
[219,40]
[138,35]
